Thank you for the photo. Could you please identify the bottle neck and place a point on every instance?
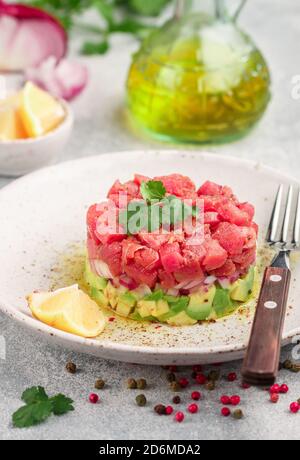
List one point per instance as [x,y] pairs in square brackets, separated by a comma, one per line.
[213,8]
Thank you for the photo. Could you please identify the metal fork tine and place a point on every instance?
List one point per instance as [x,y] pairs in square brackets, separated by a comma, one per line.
[273,225]
[287,216]
[296,232]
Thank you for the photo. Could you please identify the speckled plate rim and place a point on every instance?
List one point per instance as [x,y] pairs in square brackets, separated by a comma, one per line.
[121,352]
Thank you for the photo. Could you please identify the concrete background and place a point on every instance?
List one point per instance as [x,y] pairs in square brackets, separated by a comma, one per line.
[100,128]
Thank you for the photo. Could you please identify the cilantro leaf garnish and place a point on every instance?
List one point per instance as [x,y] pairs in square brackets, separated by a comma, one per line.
[32,414]
[153,190]
[61,404]
[33,395]
[38,407]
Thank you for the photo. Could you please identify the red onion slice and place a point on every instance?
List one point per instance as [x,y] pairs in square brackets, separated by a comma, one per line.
[128,282]
[64,79]
[28,36]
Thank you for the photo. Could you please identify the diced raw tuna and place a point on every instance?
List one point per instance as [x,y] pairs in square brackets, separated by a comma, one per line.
[248,208]
[171,259]
[111,254]
[231,213]
[140,275]
[215,257]
[147,258]
[139,179]
[178,185]
[231,237]
[227,270]
[226,247]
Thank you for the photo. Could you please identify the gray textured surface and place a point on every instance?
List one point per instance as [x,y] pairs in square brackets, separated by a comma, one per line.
[100,127]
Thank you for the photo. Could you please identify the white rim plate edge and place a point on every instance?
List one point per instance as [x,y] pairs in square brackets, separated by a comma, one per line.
[117,351]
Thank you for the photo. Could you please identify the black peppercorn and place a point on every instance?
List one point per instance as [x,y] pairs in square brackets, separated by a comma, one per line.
[141,384]
[99,384]
[131,384]
[238,414]
[176,400]
[160,409]
[141,400]
[71,368]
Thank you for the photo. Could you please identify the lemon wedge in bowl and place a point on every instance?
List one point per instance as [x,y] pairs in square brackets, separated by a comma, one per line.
[40,112]
[68,309]
[11,125]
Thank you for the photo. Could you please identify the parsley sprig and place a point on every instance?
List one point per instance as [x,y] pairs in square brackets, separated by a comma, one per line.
[116,15]
[156,210]
[38,407]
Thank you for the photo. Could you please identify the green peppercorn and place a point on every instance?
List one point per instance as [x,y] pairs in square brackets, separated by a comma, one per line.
[171,377]
[214,375]
[295,368]
[176,399]
[131,384]
[141,400]
[210,386]
[99,384]
[238,414]
[174,386]
[298,401]
[160,409]
[141,384]
[71,368]
[287,364]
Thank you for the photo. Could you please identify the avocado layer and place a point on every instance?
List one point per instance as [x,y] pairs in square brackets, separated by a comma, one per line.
[210,303]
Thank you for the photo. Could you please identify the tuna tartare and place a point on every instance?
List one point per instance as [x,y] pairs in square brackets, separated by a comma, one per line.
[164,274]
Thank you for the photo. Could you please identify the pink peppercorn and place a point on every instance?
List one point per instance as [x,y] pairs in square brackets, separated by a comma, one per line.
[196,395]
[193,408]
[179,417]
[231,377]
[225,411]
[274,398]
[225,400]
[201,379]
[235,400]
[93,398]
[283,388]
[294,407]
[183,382]
[169,410]
[245,386]
[275,388]
[173,368]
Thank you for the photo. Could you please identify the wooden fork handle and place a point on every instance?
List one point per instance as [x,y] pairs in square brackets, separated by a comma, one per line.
[261,362]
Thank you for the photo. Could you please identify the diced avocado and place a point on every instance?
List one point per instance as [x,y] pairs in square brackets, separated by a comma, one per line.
[146,307]
[181,319]
[126,304]
[222,302]
[243,287]
[161,308]
[99,297]
[200,305]
[112,294]
[94,280]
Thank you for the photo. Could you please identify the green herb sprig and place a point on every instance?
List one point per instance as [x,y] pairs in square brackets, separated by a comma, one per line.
[126,16]
[38,407]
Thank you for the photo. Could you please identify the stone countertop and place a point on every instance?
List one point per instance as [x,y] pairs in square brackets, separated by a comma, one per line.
[101,127]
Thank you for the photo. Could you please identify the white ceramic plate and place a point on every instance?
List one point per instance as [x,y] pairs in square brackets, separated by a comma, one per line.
[43,215]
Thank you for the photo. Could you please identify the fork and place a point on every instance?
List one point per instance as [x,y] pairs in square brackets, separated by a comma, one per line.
[261,362]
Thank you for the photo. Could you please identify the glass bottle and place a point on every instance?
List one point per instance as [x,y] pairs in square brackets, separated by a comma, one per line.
[199,78]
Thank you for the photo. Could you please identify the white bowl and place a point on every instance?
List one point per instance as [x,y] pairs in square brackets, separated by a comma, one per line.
[22,156]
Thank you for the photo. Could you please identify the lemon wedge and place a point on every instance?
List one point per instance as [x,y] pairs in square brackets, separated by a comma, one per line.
[40,112]
[68,309]
[11,125]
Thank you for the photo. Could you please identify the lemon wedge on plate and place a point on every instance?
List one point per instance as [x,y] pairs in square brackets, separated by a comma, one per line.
[11,125]
[68,309]
[40,111]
